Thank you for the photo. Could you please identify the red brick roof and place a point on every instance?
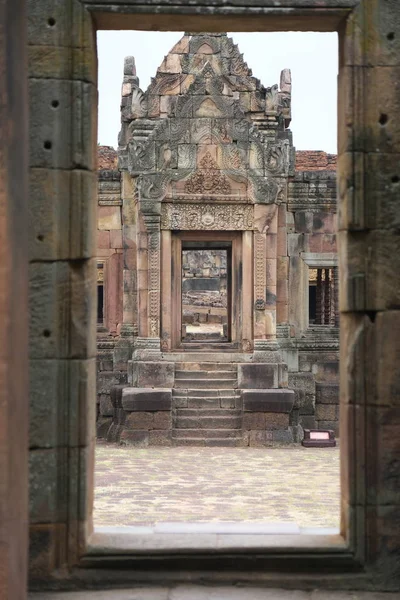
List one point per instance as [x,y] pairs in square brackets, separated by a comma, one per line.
[315,160]
[107,158]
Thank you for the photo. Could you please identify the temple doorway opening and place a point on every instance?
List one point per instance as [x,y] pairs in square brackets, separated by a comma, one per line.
[206,293]
[217,332]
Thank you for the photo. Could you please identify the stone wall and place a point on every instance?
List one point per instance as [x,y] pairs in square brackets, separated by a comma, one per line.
[109,278]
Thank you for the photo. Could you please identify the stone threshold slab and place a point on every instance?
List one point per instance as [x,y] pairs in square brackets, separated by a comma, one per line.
[172,537]
[204,592]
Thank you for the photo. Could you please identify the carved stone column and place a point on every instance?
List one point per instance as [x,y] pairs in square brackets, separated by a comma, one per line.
[259,245]
[154,249]
[129,327]
[318,309]
[327,298]
[271,277]
[336,295]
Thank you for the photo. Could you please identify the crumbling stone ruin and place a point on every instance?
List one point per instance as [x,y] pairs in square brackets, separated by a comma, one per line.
[207,215]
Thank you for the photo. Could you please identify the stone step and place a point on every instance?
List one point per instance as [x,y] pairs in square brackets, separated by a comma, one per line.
[198,441]
[210,357]
[208,393]
[223,403]
[207,422]
[205,375]
[206,366]
[206,433]
[220,384]
[208,412]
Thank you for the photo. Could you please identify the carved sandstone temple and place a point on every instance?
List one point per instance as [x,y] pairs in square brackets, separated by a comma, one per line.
[206,163]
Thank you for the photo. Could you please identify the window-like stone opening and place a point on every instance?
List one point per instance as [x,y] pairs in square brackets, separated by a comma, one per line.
[323,296]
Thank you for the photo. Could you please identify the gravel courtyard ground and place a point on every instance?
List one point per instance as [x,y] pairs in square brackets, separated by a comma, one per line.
[145,486]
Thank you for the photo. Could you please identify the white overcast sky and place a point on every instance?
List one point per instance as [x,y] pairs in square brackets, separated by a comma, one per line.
[312,58]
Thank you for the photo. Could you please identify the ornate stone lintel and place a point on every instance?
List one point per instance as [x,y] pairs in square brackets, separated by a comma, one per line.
[228,217]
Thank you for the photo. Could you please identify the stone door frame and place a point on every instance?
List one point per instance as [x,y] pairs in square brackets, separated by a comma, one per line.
[238,312]
[65,550]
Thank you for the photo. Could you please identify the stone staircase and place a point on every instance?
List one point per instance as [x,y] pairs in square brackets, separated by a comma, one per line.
[207,407]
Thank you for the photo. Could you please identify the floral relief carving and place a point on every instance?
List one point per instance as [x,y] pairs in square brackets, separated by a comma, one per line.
[208,179]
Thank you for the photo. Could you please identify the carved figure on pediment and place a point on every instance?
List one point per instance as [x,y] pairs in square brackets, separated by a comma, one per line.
[166,156]
[165,83]
[271,98]
[197,41]
[277,158]
[286,81]
[153,185]
[179,130]
[175,220]
[142,155]
[198,87]
[192,219]
[138,104]
[220,131]
[239,129]
[263,190]
[187,156]
[233,164]
[239,67]
[208,179]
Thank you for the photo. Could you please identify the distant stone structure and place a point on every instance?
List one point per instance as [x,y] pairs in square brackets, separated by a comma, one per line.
[206,165]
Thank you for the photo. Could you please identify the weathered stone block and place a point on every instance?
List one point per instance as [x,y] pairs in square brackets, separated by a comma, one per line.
[253,421]
[139,399]
[153,374]
[103,239]
[387,349]
[162,420]
[327,393]
[383,472]
[326,412]
[259,439]
[326,371]
[71,147]
[47,503]
[278,400]
[257,376]
[106,407]
[59,329]
[160,438]
[109,217]
[369,285]
[116,238]
[302,381]
[296,243]
[139,420]
[284,437]
[107,380]
[275,421]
